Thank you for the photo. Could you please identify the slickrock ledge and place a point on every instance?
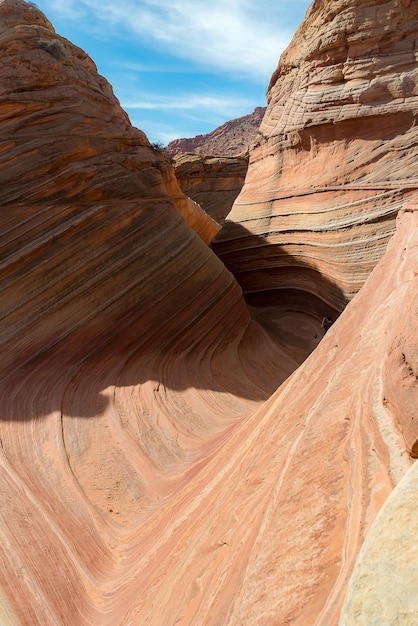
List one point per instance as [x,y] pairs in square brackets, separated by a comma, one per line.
[336,156]
[163,460]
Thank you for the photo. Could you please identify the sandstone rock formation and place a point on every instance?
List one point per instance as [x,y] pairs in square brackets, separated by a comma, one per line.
[55,104]
[213,182]
[159,461]
[231,139]
[336,156]
[126,346]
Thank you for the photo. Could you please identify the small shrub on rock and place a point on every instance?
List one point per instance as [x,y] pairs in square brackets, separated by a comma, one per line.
[53,46]
[158,146]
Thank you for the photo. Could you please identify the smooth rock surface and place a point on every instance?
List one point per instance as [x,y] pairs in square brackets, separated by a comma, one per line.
[384,585]
[127,348]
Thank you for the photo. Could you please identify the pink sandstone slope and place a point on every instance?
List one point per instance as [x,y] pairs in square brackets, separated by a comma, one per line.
[160,462]
[126,344]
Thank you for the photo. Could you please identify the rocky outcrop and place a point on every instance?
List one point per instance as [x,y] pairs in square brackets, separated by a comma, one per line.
[383,587]
[162,460]
[69,166]
[335,159]
[212,182]
[231,139]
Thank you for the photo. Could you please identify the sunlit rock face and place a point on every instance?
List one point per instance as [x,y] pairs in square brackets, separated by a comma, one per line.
[160,463]
[336,156]
[328,449]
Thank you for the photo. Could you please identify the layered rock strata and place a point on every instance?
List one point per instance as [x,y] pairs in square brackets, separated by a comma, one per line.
[153,468]
[213,182]
[335,160]
[75,176]
[327,451]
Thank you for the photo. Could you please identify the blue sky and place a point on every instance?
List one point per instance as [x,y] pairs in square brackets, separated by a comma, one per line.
[181,67]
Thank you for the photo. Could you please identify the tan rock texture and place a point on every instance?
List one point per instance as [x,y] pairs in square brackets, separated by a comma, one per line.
[384,586]
[230,139]
[163,460]
[336,157]
[212,182]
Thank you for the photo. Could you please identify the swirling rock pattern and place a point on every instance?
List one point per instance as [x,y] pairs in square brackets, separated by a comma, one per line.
[154,467]
[127,348]
[336,156]
[69,178]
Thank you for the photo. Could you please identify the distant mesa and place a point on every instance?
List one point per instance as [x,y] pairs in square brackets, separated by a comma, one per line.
[233,138]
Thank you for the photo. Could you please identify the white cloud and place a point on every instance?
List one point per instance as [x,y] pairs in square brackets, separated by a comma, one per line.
[131,66]
[67,9]
[184,112]
[239,36]
[224,52]
[186,102]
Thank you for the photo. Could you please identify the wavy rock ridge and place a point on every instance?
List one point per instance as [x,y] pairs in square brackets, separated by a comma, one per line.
[153,466]
[126,344]
[69,179]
